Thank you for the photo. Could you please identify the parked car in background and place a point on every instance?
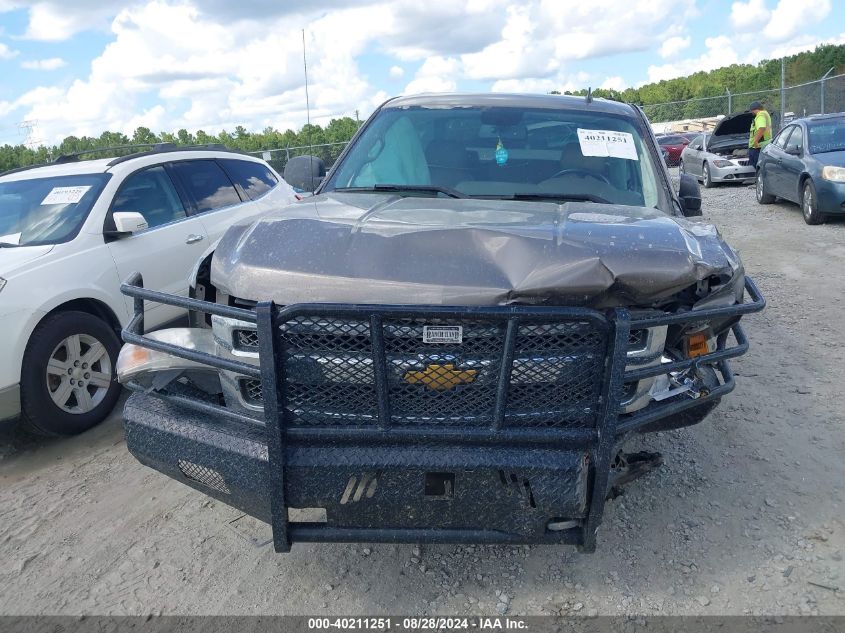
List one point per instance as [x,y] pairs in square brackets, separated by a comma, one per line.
[71,231]
[805,164]
[674,145]
[721,155]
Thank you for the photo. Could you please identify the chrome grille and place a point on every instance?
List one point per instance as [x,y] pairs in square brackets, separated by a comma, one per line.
[244,339]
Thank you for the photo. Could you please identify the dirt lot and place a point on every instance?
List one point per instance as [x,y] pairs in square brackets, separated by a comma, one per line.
[746,516]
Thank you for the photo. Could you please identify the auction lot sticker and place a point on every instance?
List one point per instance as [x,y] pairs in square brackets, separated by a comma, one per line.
[607,143]
[65,195]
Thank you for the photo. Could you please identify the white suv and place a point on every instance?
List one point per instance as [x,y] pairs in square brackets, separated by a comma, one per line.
[71,231]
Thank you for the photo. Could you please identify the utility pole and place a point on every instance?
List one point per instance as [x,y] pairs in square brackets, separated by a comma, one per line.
[782,92]
[822,94]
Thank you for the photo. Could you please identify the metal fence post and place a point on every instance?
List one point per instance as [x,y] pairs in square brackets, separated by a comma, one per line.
[822,88]
[782,92]
[730,103]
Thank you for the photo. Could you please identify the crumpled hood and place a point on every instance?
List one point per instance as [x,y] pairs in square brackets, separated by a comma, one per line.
[377,248]
[13,258]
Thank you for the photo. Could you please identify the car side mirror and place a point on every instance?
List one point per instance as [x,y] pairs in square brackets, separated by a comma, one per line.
[304,173]
[793,151]
[128,222]
[690,195]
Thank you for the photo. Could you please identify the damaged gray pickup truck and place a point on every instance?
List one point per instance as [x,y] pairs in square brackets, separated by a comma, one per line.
[452,340]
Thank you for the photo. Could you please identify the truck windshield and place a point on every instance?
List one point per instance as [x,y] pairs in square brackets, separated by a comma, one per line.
[502,152]
[46,210]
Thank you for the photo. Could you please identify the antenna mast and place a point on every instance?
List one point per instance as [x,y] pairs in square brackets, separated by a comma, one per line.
[308,108]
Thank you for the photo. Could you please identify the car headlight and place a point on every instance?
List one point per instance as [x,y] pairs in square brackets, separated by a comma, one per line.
[2,283]
[834,174]
[723,163]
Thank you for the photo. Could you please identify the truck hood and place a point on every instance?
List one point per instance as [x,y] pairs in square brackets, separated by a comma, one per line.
[379,248]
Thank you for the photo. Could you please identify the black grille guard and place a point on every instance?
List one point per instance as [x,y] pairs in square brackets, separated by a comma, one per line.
[597,439]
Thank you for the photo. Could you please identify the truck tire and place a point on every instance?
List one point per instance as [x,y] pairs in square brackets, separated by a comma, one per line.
[68,378]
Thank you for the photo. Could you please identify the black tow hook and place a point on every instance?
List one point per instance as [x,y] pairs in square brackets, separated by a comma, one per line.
[627,467]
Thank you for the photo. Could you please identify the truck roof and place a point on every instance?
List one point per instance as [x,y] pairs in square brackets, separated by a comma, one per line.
[515,100]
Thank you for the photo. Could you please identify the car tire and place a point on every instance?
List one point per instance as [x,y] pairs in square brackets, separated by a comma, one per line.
[680,166]
[810,204]
[66,350]
[706,177]
[760,190]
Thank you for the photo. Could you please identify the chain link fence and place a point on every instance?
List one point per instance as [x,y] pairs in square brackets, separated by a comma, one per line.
[814,97]
[278,158]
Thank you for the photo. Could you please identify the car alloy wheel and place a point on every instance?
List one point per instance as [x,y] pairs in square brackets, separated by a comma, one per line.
[708,181]
[809,204]
[79,374]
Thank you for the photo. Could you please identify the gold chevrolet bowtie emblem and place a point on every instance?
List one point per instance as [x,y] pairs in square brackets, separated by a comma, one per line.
[441,377]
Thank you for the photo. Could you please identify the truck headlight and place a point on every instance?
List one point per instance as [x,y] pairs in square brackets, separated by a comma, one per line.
[829,172]
[135,360]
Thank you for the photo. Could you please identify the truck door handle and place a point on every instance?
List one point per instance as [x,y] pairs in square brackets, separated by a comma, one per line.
[193,238]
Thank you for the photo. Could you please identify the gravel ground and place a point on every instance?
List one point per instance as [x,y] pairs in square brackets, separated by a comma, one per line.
[746,515]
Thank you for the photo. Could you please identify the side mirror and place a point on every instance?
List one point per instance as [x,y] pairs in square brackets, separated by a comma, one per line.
[793,151]
[127,222]
[304,173]
[690,195]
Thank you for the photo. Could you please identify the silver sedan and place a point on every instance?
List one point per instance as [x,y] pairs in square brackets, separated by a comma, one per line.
[711,167]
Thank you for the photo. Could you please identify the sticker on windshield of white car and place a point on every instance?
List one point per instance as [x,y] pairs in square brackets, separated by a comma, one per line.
[66,195]
[607,143]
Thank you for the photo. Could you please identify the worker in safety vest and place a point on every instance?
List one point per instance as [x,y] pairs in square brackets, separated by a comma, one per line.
[761,131]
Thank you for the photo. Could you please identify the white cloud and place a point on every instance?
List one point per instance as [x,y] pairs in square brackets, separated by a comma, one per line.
[720,52]
[437,74]
[748,16]
[790,16]
[674,45]
[209,64]
[53,63]
[560,83]
[6,52]
[799,45]
[56,21]
[614,83]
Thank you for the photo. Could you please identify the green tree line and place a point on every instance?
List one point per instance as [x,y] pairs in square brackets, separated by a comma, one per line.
[337,131]
[738,78]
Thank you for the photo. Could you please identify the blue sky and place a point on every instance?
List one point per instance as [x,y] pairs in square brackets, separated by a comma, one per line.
[87,66]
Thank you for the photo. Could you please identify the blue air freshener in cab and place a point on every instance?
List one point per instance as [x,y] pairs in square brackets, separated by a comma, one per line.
[501,154]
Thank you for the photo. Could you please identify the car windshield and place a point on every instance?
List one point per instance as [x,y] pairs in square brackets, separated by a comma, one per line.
[828,136]
[46,210]
[503,152]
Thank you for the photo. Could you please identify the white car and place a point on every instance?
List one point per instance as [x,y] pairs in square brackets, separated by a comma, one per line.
[71,231]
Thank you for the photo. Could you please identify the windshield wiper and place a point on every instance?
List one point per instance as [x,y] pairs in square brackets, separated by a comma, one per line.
[452,193]
[569,197]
